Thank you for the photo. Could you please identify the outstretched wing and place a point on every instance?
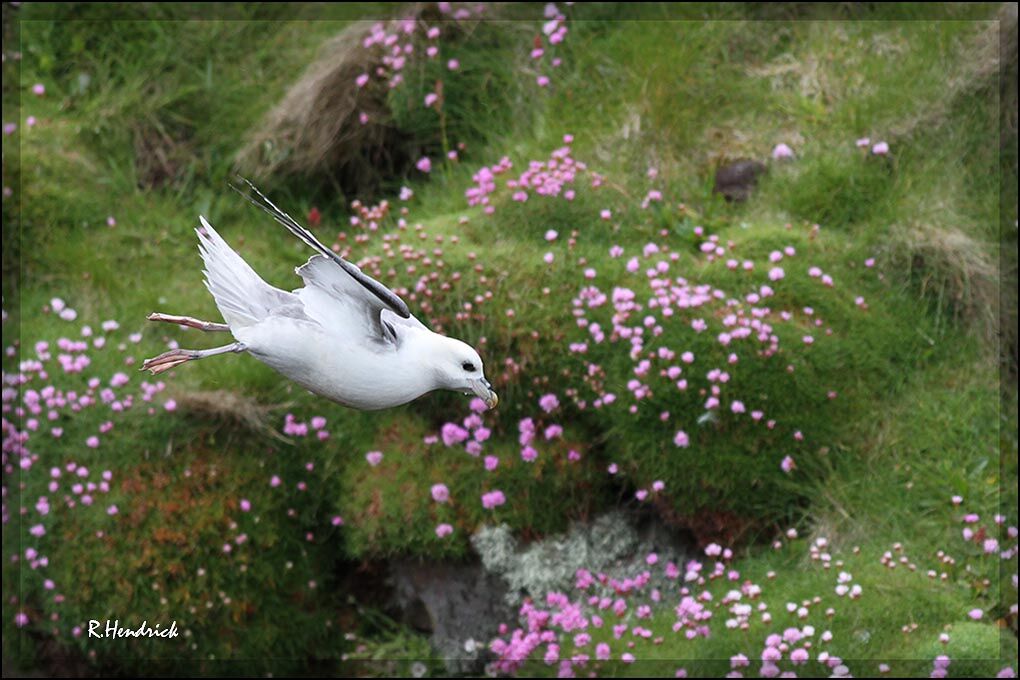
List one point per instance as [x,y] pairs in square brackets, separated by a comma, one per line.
[387,299]
[341,304]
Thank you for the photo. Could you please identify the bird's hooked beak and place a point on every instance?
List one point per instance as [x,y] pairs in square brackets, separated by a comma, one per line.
[483,390]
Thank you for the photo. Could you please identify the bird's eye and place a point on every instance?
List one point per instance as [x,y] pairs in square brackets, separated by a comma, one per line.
[468,366]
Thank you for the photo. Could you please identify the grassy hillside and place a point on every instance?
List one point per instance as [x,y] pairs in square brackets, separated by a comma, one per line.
[824,357]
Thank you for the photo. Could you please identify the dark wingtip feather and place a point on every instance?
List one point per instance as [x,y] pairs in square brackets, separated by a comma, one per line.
[385,295]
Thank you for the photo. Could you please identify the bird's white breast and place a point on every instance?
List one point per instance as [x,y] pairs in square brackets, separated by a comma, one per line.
[336,366]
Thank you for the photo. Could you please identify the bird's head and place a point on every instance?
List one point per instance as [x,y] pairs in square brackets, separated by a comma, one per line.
[458,367]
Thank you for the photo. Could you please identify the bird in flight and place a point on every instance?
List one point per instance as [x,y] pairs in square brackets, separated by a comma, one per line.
[343,336]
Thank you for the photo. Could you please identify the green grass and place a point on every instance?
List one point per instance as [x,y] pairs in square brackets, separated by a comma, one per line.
[917,415]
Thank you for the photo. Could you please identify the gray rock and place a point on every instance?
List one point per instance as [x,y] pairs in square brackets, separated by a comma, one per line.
[461,605]
[457,604]
[615,544]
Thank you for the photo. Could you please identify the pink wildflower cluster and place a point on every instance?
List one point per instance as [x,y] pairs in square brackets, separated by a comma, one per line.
[554,177]
[485,184]
[396,44]
[471,431]
[44,393]
[493,499]
[295,428]
[877,149]
[531,432]
[780,639]
[654,317]
[621,610]
[554,31]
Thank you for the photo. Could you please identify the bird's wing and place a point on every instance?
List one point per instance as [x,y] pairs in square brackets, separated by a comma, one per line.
[340,303]
[353,282]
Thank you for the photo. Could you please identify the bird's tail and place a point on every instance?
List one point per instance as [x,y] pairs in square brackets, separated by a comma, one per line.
[242,296]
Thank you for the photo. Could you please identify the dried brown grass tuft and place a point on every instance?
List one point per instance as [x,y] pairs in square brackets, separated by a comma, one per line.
[953,270]
[230,407]
[316,131]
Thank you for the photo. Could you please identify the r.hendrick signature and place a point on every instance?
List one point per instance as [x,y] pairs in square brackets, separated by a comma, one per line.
[115,630]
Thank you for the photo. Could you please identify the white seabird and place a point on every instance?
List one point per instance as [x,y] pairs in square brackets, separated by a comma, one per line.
[343,336]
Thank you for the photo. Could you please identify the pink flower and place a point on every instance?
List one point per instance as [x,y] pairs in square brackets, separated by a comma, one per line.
[444,530]
[245,505]
[549,403]
[38,89]
[681,439]
[788,465]
[424,164]
[975,614]
[880,148]
[453,434]
[374,457]
[362,80]
[440,493]
[782,151]
[453,64]
[493,499]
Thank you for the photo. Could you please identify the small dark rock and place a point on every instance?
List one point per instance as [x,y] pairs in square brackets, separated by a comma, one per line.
[737,179]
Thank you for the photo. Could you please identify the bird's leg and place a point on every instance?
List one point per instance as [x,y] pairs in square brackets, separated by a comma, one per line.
[176,357]
[189,322]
